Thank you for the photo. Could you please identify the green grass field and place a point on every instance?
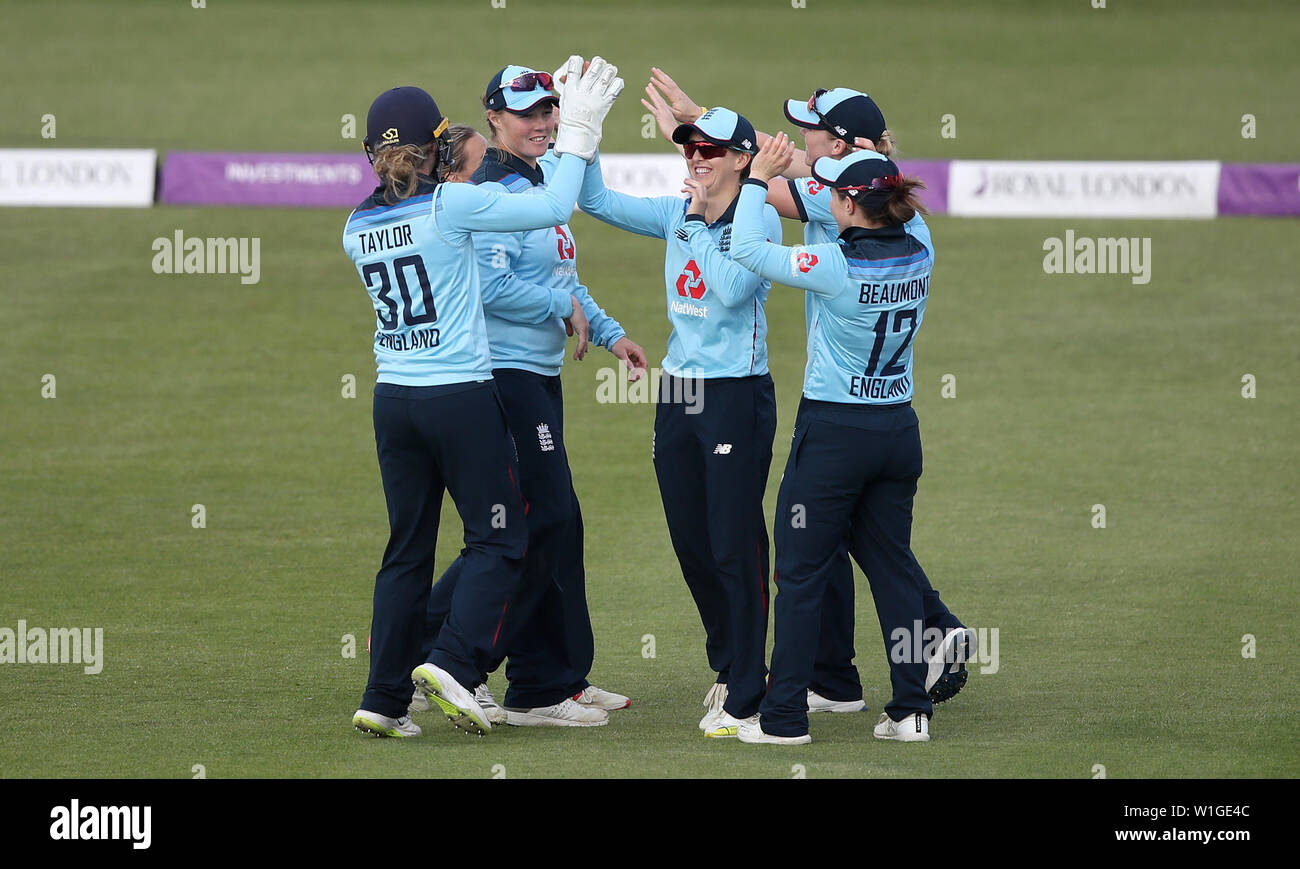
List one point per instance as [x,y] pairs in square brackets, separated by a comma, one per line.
[1119,646]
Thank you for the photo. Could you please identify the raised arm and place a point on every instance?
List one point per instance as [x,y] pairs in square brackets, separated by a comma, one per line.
[479,208]
[818,268]
[642,215]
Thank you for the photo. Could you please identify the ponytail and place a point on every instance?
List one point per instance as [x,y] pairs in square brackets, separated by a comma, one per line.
[398,166]
[893,205]
[886,145]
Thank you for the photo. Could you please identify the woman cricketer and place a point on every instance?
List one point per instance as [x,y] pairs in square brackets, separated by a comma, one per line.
[530,286]
[439,423]
[716,415]
[856,456]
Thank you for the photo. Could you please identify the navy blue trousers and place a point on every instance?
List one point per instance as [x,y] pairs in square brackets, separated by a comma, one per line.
[834,675]
[430,439]
[547,636]
[850,480]
[712,453]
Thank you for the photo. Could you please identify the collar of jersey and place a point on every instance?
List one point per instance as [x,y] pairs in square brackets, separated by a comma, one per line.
[498,164]
[728,216]
[855,234]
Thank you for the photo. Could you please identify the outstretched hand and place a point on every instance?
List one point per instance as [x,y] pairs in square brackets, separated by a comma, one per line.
[684,109]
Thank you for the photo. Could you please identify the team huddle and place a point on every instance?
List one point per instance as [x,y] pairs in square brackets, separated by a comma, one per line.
[476,290]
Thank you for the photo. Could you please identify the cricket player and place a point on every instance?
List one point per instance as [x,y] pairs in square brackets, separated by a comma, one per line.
[856,457]
[716,415]
[438,418]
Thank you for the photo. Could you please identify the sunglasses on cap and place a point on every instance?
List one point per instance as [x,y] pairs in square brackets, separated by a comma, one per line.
[526,82]
[706,150]
[835,128]
[884,182]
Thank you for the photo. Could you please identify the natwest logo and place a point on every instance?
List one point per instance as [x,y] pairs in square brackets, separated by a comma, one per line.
[690,283]
[564,243]
[806,261]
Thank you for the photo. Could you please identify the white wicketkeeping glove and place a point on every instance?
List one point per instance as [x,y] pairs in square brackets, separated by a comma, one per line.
[585,100]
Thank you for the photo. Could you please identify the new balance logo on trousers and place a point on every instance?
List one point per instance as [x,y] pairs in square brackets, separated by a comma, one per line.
[722,449]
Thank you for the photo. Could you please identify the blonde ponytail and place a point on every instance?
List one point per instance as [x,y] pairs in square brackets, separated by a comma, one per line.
[398,166]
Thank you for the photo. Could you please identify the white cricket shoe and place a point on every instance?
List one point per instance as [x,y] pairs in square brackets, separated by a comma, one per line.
[726,725]
[818,703]
[381,725]
[713,703]
[566,713]
[598,698]
[913,728]
[483,697]
[751,731]
[946,665]
[450,696]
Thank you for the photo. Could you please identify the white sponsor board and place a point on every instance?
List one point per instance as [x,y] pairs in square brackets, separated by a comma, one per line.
[644,174]
[69,176]
[1010,188]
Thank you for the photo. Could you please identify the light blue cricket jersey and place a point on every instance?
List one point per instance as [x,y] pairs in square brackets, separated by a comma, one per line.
[868,291]
[416,259]
[529,278]
[715,306]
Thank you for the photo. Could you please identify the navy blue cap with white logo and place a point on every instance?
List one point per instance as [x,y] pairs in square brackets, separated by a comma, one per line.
[721,127]
[844,113]
[518,89]
[403,116]
[859,173]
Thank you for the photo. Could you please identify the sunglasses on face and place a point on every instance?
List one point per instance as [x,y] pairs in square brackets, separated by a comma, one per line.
[706,150]
[526,82]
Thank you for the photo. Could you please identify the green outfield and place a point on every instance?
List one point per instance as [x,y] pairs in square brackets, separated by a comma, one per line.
[224,645]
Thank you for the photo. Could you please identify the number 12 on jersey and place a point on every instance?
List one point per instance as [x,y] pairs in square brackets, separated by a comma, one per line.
[892,368]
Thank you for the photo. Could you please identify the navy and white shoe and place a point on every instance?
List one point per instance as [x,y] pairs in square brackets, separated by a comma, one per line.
[946,669]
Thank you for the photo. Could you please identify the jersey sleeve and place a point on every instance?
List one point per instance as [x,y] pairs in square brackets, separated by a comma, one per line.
[818,268]
[478,208]
[813,199]
[639,214]
[728,280]
[920,230]
[605,330]
[505,294]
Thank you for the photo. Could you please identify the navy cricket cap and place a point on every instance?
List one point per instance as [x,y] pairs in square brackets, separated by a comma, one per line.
[844,113]
[518,89]
[403,116]
[859,173]
[721,127]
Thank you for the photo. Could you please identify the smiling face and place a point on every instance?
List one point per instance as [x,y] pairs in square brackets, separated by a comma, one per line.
[708,171]
[528,135]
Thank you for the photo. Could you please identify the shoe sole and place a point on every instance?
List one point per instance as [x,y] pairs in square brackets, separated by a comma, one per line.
[925,738]
[948,686]
[938,668]
[374,728]
[462,719]
[527,719]
[766,738]
[840,706]
[722,732]
[604,708]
